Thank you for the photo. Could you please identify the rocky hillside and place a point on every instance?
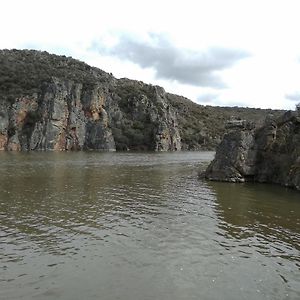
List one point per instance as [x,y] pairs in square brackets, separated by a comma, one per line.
[203,127]
[50,102]
[270,153]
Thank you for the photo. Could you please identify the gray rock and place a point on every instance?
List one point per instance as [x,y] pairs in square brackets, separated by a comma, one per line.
[267,154]
[65,115]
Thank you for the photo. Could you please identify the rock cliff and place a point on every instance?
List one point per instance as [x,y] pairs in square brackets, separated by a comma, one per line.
[270,153]
[50,102]
[46,109]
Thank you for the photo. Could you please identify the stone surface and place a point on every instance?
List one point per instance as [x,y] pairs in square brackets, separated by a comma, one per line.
[66,116]
[270,153]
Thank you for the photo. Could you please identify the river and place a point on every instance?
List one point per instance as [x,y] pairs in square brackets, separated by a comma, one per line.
[142,226]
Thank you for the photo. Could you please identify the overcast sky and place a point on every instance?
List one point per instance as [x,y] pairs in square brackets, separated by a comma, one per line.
[226,52]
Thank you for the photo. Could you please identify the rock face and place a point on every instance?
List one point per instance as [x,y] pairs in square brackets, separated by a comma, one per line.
[270,153]
[92,112]
[62,116]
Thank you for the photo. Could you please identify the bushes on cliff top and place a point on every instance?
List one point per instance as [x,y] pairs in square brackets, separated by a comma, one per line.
[23,71]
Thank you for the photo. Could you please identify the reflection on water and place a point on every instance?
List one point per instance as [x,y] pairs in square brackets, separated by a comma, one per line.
[266,215]
[141,226]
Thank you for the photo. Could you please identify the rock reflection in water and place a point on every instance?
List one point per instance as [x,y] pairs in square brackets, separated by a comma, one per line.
[265,212]
[52,202]
[141,226]
[259,225]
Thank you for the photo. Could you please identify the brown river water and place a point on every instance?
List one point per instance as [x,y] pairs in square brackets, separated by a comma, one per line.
[138,226]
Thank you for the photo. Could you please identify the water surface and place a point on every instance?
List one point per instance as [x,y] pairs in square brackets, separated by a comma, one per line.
[142,226]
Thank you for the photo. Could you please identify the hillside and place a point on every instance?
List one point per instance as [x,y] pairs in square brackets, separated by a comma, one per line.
[204,126]
[50,102]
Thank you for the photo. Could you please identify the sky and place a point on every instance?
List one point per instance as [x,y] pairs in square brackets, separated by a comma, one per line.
[214,52]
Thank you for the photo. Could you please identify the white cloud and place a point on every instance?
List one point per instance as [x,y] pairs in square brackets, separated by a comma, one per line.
[266,29]
[198,68]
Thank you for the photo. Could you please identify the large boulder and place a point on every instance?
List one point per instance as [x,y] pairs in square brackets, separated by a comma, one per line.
[270,153]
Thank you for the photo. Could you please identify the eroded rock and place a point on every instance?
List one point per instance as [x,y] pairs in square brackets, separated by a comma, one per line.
[267,154]
[65,115]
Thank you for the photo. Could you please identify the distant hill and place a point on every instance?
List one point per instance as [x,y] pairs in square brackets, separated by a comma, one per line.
[50,102]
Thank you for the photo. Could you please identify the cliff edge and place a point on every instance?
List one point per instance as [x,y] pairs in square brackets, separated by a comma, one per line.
[270,153]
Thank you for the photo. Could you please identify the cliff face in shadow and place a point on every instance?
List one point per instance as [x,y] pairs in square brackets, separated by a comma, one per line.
[270,153]
[50,102]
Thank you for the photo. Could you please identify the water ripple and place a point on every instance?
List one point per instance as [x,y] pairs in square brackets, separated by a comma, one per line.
[142,226]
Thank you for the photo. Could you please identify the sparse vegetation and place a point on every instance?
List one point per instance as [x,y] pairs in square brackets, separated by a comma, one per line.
[22,72]
[202,127]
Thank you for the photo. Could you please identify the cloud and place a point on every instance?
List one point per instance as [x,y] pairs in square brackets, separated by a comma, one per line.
[295,97]
[207,98]
[198,68]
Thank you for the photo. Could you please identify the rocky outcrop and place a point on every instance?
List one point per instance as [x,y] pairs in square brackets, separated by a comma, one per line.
[65,116]
[94,111]
[145,117]
[270,153]
[62,116]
